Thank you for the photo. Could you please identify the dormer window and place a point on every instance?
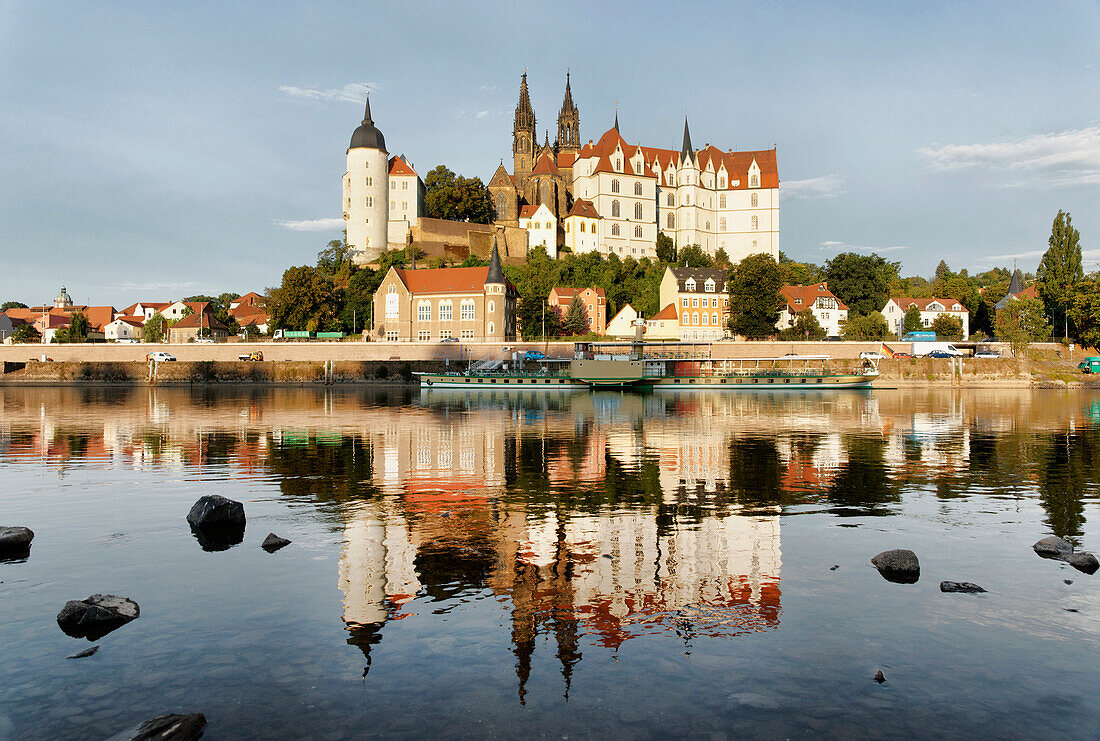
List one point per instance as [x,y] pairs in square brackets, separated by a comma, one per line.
[709,285]
[721,181]
[798,302]
[689,285]
[754,181]
[637,168]
[618,165]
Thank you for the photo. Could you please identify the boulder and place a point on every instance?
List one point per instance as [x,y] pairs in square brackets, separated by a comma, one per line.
[1083,562]
[15,542]
[96,616]
[215,510]
[1052,547]
[273,543]
[880,677]
[960,586]
[85,653]
[899,565]
[172,728]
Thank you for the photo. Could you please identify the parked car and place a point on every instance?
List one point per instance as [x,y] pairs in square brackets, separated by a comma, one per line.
[126,341]
[204,340]
[898,355]
[791,355]
[941,354]
[987,354]
[449,339]
[871,355]
[160,357]
[534,355]
[834,338]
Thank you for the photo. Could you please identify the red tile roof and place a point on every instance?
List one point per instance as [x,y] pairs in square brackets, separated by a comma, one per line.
[566,159]
[584,208]
[444,280]
[568,292]
[399,166]
[669,312]
[526,212]
[545,166]
[192,320]
[808,295]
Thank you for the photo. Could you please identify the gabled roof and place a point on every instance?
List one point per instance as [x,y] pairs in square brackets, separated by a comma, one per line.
[669,312]
[700,275]
[400,166]
[444,280]
[248,320]
[99,316]
[582,207]
[904,302]
[808,295]
[193,321]
[566,159]
[527,211]
[501,177]
[128,320]
[545,166]
[571,291]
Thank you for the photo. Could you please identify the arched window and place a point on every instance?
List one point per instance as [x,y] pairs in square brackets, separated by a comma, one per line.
[618,165]
[446,310]
[671,199]
[755,200]
[722,201]
[614,186]
[615,209]
[638,211]
[695,318]
[714,319]
[671,221]
[706,226]
[492,328]
[501,203]
[722,181]
[754,244]
[637,189]
[721,225]
[706,318]
[754,181]
[638,232]
[755,223]
[424,311]
[582,227]
[492,306]
[467,309]
[614,230]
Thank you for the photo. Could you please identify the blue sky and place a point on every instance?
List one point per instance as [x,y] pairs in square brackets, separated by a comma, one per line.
[149,151]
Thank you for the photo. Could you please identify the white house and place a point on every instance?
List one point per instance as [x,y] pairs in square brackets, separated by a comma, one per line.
[829,311]
[929,308]
[144,310]
[582,228]
[123,328]
[622,324]
[665,325]
[406,199]
[699,297]
[541,226]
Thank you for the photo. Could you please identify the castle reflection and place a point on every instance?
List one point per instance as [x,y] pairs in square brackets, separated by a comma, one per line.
[596,518]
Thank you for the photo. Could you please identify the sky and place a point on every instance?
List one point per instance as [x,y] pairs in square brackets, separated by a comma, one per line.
[150,151]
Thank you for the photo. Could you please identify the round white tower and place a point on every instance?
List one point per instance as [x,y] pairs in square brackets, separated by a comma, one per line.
[366,191]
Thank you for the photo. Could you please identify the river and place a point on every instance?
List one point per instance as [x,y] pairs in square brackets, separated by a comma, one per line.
[581,565]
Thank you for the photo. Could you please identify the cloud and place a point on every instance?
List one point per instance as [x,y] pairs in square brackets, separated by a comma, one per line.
[481,114]
[153,286]
[827,186]
[1064,158]
[312,225]
[489,88]
[355,92]
[1029,255]
[845,247]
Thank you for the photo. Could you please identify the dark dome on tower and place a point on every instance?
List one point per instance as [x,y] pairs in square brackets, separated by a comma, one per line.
[367,136]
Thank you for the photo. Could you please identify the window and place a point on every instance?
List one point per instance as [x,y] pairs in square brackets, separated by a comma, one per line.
[349,182]
[706,226]
[615,209]
[638,232]
[709,285]
[366,165]
[349,202]
[687,199]
[714,319]
[637,171]
[695,303]
[689,284]
[393,185]
[671,221]
[722,184]
[404,205]
[695,318]
[466,310]
[637,189]
[755,223]
[391,335]
[722,201]
[754,200]
[721,225]
[637,211]
[618,165]
[706,318]
[754,244]
[404,185]
[492,307]
[424,311]
[500,204]
[671,199]
[492,328]
[446,311]
[614,230]
[444,334]
[424,335]
[467,334]
[368,201]
[582,227]
[754,181]
[684,302]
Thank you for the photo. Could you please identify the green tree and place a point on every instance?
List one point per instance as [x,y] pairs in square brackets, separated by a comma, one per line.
[861,281]
[1084,310]
[982,323]
[75,332]
[26,333]
[948,327]
[1021,322]
[666,248]
[1060,269]
[456,198]
[721,258]
[755,299]
[798,273]
[912,322]
[942,272]
[871,326]
[305,300]
[12,305]
[154,329]
[805,327]
[576,318]
[692,256]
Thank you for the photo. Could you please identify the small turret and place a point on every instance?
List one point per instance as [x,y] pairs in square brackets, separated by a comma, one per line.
[496,273]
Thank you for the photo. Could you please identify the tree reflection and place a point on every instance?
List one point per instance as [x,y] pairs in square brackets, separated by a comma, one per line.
[1067,467]
[862,485]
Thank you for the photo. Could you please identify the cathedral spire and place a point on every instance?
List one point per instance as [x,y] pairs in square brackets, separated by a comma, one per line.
[525,114]
[366,113]
[524,143]
[495,274]
[687,153]
[569,122]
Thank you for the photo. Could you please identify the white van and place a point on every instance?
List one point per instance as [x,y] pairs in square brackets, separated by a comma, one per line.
[921,349]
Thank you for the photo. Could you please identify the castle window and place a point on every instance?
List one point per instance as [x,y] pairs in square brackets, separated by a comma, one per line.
[614,230]
[754,244]
[404,185]
[369,181]
[755,223]
[637,189]
[368,201]
[637,211]
[755,200]
[492,306]
[615,209]
[466,310]
[722,201]
[544,193]
[424,311]
[722,181]
[754,181]
[500,204]
[393,185]
[671,221]
[446,310]
[638,232]
[492,328]
[721,225]
[582,227]
[614,186]
[618,165]
[671,199]
[637,168]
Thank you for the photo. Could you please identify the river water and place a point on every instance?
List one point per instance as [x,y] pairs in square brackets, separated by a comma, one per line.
[575,565]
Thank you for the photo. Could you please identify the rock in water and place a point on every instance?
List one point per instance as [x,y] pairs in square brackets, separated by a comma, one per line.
[172,728]
[960,586]
[1053,547]
[84,654]
[217,522]
[899,565]
[216,510]
[96,616]
[880,677]
[273,543]
[15,542]
[1083,562]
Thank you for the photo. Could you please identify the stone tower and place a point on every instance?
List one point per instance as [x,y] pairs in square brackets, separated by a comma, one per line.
[523,135]
[366,191]
[569,123]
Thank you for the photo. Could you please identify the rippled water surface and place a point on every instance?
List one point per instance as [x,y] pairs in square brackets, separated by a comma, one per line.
[571,565]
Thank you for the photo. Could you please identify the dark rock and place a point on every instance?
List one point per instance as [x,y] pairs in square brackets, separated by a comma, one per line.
[216,510]
[84,654]
[217,538]
[1068,581]
[834,567]
[15,542]
[960,586]
[172,728]
[1052,547]
[880,677]
[1083,562]
[1071,609]
[899,565]
[96,616]
[608,556]
[273,543]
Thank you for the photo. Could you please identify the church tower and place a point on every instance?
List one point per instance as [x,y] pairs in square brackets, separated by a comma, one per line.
[366,191]
[569,123]
[523,135]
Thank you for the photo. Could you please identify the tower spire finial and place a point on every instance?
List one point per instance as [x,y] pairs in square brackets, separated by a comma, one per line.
[366,111]
[616,126]
[686,151]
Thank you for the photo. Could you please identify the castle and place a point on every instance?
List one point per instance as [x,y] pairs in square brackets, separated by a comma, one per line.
[607,196]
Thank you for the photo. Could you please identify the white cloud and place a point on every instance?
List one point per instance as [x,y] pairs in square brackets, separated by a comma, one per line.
[827,186]
[489,88]
[481,114]
[1064,158]
[312,225]
[1029,255]
[845,247]
[356,92]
